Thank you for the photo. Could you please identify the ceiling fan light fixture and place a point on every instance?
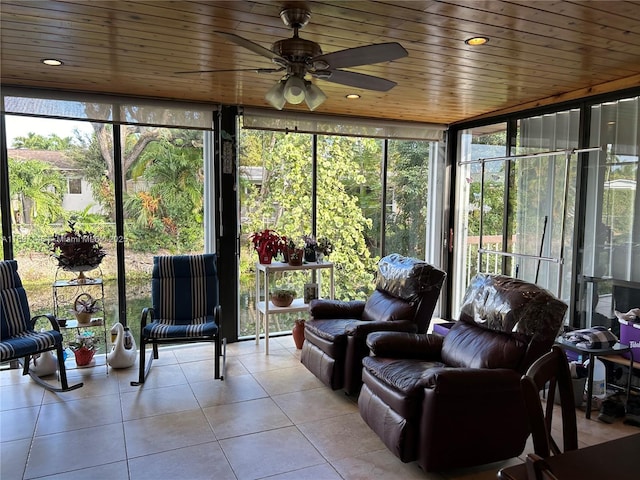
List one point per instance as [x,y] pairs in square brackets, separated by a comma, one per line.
[294,90]
[275,95]
[314,96]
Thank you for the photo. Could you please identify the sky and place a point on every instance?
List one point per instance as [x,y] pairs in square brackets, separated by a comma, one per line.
[22,126]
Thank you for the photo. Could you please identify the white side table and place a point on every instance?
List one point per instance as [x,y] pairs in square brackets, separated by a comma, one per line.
[264,306]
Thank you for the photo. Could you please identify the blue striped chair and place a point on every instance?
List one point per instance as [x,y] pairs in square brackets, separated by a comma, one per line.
[184,308]
[18,338]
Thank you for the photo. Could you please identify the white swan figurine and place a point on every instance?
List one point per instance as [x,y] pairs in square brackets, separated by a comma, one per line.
[43,364]
[124,351]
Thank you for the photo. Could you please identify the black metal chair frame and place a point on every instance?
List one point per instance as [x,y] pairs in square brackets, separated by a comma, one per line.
[146,361]
[147,317]
[62,371]
[24,360]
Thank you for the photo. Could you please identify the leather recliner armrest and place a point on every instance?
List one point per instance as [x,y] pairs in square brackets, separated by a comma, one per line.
[405,345]
[472,381]
[363,329]
[326,308]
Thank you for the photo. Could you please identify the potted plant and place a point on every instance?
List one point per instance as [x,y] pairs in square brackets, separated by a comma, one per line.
[310,244]
[295,253]
[282,296]
[76,251]
[83,306]
[84,347]
[267,243]
[324,247]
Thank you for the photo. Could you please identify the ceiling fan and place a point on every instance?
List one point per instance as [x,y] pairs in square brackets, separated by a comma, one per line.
[300,58]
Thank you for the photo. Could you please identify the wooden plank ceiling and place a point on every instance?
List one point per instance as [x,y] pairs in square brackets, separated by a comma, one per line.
[539,52]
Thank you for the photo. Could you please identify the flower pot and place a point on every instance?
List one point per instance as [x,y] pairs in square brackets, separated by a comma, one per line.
[310,255]
[298,333]
[265,259]
[81,279]
[83,318]
[83,307]
[281,300]
[83,356]
[296,256]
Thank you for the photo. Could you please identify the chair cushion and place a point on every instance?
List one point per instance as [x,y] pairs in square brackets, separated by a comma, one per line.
[473,346]
[399,383]
[332,330]
[27,343]
[199,327]
[184,287]
[14,307]
[383,307]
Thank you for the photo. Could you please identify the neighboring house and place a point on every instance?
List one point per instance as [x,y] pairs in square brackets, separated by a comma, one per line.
[79,194]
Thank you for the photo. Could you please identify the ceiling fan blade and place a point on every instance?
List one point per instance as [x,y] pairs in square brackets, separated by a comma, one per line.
[256,70]
[358,80]
[365,55]
[248,44]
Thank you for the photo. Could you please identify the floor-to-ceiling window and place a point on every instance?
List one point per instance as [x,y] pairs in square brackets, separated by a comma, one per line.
[52,192]
[163,203]
[368,196]
[560,201]
[610,278]
[275,186]
[408,199]
[131,173]
[479,200]
[515,202]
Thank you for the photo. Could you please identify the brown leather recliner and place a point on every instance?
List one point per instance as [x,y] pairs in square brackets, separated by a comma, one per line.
[407,290]
[455,401]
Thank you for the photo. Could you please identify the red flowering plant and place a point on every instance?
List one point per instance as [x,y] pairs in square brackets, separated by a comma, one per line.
[268,244]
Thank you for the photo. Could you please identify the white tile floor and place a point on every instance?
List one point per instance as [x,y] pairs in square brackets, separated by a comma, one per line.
[269,418]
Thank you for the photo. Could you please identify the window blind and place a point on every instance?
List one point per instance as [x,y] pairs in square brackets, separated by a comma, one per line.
[303,122]
[107,108]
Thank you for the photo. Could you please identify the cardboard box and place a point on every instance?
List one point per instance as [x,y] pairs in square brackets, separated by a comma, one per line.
[630,335]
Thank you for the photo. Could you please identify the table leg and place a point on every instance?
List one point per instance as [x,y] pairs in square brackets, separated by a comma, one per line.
[257,311]
[266,311]
[626,401]
[590,384]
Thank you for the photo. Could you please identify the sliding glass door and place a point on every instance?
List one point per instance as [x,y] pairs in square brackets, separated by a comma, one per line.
[516,202]
[610,278]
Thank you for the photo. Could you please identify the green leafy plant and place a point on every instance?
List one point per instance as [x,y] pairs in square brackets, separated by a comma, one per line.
[85,303]
[85,339]
[282,296]
[324,246]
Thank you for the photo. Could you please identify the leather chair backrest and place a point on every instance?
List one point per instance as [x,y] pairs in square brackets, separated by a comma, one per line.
[507,304]
[415,281]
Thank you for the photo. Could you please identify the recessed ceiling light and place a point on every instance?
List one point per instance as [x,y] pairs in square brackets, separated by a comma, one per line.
[352,96]
[475,41]
[51,61]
